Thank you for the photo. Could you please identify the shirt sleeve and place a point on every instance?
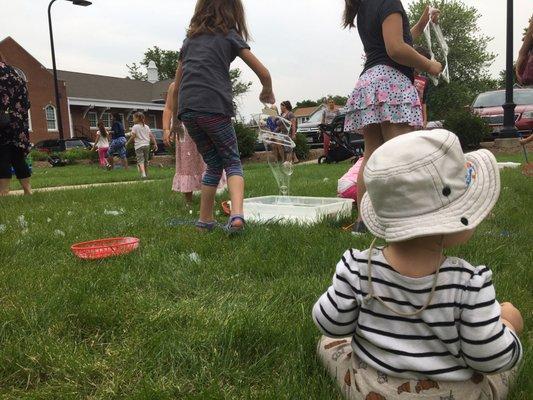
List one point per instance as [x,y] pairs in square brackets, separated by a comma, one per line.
[336,311]
[389,7]
[237,42]
[487,345]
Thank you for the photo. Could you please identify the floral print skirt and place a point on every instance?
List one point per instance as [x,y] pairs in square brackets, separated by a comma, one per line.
[383,94]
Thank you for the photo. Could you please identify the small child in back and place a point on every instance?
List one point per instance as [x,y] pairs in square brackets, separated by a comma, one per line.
[142,136]
[406,322]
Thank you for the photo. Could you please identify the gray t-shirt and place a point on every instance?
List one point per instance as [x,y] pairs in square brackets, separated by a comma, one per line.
[205,85]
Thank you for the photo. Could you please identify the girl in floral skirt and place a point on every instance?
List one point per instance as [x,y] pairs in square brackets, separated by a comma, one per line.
[385,102]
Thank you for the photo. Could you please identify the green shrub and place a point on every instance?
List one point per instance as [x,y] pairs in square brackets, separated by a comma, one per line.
[302,147]
[37,155]
[469,127]
[78,154]
[246,138]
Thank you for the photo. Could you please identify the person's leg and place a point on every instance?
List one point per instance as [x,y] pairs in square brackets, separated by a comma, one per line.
[390,131]
[5,170]
[214,164]
[139,153]
[373,139]
[188,196]
[146,159]
[101,156]
[22,171]
[4,186]
[110,157]
[222,134]
[26,186]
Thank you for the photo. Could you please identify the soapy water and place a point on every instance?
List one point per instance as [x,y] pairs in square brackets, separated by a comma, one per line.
[279,146]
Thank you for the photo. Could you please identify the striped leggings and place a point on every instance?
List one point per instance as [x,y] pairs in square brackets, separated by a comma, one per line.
[216,141]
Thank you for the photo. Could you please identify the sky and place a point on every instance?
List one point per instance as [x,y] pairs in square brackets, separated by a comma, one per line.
[300,41]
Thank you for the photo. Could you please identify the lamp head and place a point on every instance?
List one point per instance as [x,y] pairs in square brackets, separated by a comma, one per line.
[83,3]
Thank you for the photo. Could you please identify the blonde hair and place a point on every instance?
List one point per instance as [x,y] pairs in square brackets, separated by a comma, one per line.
[218,16]
[138,117]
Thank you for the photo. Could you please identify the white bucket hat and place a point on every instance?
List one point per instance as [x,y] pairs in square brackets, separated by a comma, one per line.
[422,184]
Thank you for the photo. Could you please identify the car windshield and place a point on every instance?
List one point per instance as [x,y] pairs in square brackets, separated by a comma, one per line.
[497,99]
[316,118]
[73,144]
[158,133]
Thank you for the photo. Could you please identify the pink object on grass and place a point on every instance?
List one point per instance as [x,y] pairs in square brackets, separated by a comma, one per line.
[347,185]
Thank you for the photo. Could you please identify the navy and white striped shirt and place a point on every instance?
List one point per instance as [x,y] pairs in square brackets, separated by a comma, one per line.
[459,333]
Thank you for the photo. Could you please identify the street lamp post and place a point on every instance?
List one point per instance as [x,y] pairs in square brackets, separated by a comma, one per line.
[83,3]
[509,127]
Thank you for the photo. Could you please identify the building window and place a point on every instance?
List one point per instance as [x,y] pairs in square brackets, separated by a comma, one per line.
[151,121]
[123,120]
[93,119]
[51,117]
[30,126]
[106,117]
[21,74]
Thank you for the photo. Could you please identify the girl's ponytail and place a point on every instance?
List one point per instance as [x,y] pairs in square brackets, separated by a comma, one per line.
[350,12]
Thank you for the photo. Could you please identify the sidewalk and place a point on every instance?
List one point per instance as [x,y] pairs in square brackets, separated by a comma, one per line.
[86,186]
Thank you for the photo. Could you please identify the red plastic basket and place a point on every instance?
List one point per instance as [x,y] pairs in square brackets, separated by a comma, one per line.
[103,248]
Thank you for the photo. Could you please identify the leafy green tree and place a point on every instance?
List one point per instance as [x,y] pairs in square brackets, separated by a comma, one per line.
[307,103]
[469,58]
[166,62]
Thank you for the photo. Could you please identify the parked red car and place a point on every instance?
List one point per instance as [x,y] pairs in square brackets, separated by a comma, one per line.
[488,105]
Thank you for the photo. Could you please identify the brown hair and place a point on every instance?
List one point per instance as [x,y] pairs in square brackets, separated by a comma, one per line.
[218,16]
[101,128]
[350,12]
[139,116]
[287,104]
[2,58]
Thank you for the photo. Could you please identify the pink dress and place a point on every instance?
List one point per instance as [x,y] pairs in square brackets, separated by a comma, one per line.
[190,167]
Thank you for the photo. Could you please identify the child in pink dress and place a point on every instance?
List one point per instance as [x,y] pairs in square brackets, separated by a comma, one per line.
[190,166]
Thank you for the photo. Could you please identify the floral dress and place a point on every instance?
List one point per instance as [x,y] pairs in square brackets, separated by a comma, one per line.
[14,100]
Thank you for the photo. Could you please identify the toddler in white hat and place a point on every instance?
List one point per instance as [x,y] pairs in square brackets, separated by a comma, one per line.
[404,321]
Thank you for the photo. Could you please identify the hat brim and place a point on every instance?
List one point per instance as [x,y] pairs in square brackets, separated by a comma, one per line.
[465,213]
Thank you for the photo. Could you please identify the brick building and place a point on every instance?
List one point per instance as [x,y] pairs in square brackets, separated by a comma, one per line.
[87,97]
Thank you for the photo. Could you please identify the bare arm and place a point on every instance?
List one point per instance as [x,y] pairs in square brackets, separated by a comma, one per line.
[400,51]
[267,96]
[419,27]
[175,96]
[96,139]
[167,114]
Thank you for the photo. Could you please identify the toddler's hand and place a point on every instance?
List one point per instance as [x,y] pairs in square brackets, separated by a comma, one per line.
[511,314]
[267,96]
[435,68]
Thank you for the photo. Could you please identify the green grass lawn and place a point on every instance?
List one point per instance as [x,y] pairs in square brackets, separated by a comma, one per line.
[155,324]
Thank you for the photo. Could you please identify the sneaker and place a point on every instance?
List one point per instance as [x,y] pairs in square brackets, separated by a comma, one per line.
[359,229]
[108,167]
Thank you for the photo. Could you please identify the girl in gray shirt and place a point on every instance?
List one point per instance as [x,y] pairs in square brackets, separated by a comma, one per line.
[217,35]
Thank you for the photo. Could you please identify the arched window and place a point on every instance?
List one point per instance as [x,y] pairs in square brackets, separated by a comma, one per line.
[21,74]
[51,117]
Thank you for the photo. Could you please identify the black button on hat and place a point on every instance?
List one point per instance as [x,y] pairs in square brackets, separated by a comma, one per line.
[464,221]
[446,191]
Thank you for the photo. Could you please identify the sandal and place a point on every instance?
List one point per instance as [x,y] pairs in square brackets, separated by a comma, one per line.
[230,228]
[206,226]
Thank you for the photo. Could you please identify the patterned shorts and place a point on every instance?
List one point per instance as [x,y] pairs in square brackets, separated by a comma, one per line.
[359,381]
[383,94]
[117,146]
